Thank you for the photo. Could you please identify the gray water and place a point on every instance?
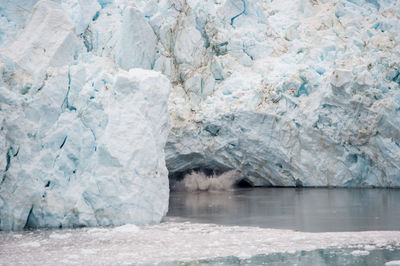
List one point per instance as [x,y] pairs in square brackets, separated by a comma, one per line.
[302,209]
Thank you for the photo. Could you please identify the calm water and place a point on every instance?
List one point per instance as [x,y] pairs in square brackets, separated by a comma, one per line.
[302,209]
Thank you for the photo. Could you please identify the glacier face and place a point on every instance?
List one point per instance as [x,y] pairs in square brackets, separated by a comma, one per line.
[290,93]
[81,140]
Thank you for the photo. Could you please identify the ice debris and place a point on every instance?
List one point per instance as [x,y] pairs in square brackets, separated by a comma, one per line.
[199,181]
[168,242]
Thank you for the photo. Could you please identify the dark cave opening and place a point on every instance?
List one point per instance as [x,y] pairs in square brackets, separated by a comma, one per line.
[244,183]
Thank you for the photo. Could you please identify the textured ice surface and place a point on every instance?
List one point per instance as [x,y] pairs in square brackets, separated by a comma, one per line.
[81,140]
[290,92]
[88,154]
[174,241]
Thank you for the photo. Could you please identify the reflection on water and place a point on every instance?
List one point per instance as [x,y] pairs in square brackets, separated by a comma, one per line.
[321,257]
[303,209]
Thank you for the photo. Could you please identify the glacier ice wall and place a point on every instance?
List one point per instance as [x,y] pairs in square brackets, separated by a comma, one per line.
[290,93]
[82,135]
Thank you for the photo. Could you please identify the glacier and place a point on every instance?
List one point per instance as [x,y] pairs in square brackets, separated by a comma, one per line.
[82,140]
[99,97]
[290,93]
[85,155]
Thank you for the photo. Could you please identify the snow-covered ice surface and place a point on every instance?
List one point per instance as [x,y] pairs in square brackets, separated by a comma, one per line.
[171,241]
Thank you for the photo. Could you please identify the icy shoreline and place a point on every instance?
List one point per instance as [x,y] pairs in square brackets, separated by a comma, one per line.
[171,241]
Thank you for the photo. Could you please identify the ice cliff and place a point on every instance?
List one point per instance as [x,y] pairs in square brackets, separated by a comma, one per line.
[81,140]
[290,93]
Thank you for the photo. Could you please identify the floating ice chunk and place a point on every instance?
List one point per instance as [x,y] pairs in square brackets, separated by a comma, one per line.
[127,228]
[55,235]
[360,253]
[85,251]
[33,244]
